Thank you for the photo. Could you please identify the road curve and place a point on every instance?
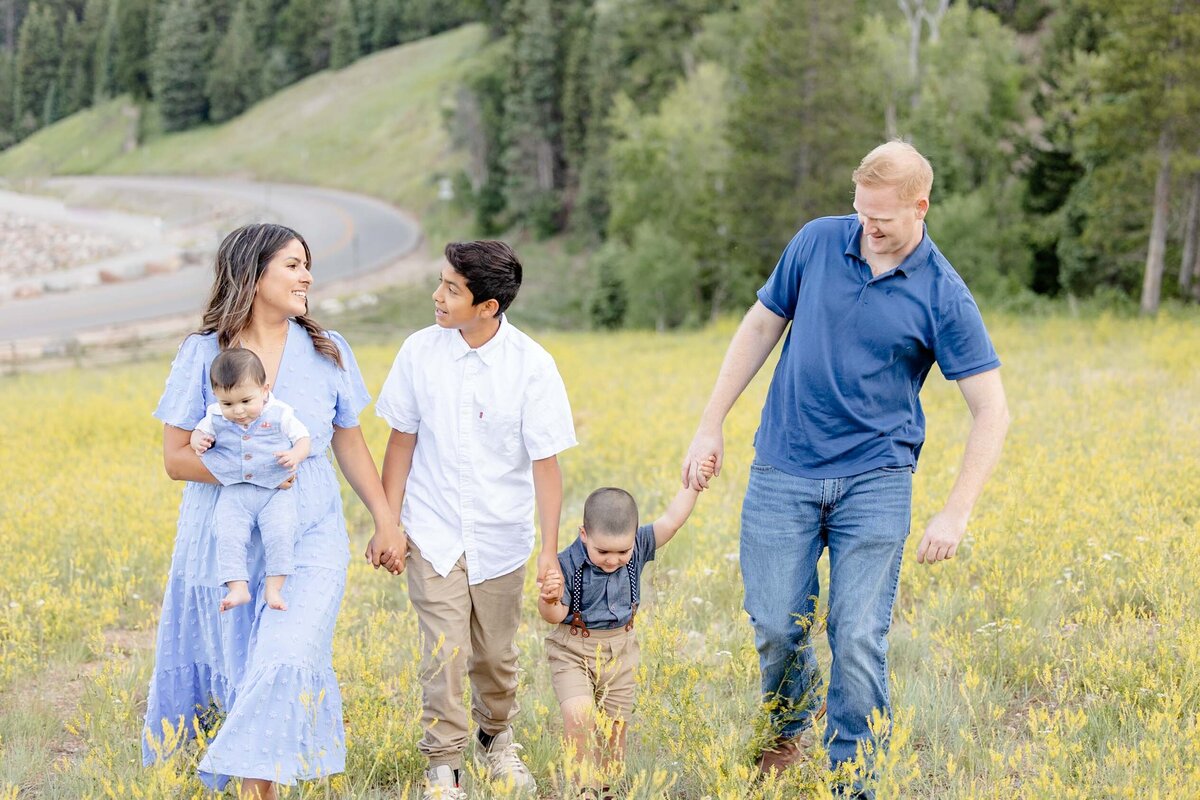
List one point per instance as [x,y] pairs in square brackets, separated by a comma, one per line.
[349,235]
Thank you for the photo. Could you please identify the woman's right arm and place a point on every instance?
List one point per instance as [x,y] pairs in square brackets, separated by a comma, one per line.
[180,460]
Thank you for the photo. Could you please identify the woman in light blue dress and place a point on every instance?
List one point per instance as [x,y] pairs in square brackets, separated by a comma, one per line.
[269,672]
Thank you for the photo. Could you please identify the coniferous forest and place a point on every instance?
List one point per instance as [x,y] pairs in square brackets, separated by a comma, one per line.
[680,143]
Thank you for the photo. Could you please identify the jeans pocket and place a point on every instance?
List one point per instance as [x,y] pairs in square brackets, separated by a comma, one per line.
[758,466]
[896,470]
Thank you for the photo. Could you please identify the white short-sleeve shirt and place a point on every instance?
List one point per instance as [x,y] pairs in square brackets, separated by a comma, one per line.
[481,416]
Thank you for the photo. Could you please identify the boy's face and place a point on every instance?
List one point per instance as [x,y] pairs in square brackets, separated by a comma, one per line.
[609,551]
[242,403]
[454,305]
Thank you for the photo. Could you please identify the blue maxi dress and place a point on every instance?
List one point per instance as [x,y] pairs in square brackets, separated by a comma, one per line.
[270,672]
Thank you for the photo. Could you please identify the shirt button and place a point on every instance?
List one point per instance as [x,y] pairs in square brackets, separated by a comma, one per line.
[248,476]
[248,456]
[246,438]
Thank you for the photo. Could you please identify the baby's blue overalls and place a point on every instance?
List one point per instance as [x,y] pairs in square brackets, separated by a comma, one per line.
[243,460]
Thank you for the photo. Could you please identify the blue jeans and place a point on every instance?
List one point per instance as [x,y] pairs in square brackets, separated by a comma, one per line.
[786,523]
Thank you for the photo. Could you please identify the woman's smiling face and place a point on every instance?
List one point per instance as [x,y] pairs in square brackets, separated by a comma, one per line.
[282,289]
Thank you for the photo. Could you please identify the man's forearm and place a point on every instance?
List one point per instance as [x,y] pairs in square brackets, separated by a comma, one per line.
[756,336]
[984,445]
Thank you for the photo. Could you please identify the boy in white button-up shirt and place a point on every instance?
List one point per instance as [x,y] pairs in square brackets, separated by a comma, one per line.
[478,414]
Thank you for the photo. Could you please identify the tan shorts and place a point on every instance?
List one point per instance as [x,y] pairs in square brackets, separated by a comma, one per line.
[602,666]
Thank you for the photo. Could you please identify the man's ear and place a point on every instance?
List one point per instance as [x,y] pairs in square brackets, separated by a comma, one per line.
[922,208]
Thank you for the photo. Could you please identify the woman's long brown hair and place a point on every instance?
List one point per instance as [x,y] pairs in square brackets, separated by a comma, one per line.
[241,260]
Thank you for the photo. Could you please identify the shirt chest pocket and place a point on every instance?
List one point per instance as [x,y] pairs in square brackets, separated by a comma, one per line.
[498,431]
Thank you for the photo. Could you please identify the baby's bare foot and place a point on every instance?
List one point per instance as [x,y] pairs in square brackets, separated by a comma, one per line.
[275,599]
[238,595]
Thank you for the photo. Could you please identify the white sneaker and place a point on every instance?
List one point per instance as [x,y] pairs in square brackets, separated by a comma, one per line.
[440,784]
[502,761]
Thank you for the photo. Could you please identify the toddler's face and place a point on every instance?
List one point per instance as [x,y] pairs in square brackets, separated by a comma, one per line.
[609,551]
[242,403]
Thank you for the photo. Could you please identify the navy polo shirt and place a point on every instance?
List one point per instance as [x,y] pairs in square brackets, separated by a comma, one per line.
[844,396]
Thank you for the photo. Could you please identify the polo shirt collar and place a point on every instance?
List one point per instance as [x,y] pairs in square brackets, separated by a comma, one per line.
[488,351]
[914,260]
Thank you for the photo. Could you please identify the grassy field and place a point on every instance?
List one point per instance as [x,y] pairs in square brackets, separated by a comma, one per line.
[1057,657]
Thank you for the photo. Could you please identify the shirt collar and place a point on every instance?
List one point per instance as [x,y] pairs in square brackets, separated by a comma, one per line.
[577,554]
[914,259]
[488,351]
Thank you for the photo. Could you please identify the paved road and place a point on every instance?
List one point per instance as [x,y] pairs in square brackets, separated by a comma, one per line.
[349,235]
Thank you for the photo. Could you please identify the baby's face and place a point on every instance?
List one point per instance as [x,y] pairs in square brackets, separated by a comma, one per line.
[609,551]
[242,403]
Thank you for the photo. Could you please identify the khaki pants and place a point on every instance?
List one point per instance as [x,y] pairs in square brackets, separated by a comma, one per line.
[463,625]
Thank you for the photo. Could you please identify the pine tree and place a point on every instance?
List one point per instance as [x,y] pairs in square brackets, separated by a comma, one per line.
[233,79]
[795,130]
[8,132]
[1150,77]
[73,90]
[38,52]
[343,50]
[534,159]
[304,32]
[179,68]
[134,40]
[104,60]
[388,21]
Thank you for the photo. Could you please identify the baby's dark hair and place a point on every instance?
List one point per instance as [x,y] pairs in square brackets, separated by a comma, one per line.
[236,366]
[610,511]
[492,270]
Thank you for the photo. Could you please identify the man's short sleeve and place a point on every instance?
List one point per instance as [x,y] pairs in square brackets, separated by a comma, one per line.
[962,346]
[397,401]
[547,427]
[782,290]
[644,542]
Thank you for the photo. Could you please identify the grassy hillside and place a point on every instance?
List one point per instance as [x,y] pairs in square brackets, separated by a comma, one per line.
[375,127]
[80,144]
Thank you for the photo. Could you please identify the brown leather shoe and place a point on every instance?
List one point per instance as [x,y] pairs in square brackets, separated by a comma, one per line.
[783,754]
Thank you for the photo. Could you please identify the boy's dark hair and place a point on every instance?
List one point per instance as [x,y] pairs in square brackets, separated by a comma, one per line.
[235,366]
[491,268]
[610,511]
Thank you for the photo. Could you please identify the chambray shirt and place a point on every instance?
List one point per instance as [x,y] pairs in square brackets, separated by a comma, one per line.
[481,416]
[247,455]
[607,600]
[844,396]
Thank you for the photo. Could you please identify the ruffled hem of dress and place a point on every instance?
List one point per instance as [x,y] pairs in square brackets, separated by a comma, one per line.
[285,727]
[177,697]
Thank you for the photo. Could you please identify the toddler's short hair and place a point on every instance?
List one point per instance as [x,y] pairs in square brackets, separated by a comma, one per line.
[610,510]
[236,366]
[492,270]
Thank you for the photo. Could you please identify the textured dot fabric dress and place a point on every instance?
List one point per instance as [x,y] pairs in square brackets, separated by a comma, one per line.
[269,672]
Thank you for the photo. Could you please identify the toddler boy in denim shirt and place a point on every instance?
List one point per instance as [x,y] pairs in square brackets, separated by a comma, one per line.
[593,651]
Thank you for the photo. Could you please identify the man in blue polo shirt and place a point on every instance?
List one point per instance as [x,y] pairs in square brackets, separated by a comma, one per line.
[872,304]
